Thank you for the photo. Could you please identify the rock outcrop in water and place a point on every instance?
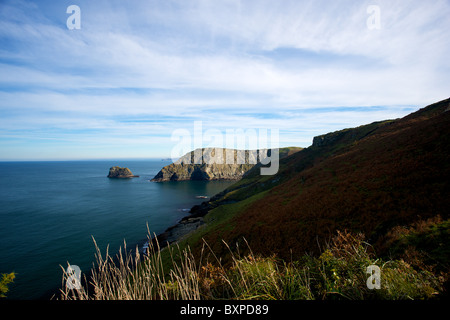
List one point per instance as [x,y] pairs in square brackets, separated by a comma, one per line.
[119,172]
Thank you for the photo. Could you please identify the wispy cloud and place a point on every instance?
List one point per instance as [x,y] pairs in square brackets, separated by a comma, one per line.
[135,72]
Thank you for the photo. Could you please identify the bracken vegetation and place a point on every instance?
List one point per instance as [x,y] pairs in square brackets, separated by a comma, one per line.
[5,280]
[379,179]
[338,273]
[387,180]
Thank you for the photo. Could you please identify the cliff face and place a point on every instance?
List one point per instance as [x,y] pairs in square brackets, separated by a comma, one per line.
[347,136]
[215,164]
[118,172]
[212,167]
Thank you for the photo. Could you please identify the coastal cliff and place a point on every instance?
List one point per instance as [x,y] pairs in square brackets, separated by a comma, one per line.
[212,167]
[215,164]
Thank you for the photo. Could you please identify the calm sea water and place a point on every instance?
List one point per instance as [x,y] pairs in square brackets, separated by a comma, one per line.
[49,212]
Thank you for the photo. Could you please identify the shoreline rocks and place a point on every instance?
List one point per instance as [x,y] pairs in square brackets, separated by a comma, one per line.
[182,228]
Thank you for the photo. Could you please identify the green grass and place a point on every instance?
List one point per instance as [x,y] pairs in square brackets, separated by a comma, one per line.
[427,238]
[227,212]
[219,220]
[338,273]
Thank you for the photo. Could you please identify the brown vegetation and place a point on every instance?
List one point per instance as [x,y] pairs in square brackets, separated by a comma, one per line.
[370,179]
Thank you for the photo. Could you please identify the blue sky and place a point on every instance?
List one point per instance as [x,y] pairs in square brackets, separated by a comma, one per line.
[138,70]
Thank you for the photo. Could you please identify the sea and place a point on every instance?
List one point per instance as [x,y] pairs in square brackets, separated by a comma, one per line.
[51,212]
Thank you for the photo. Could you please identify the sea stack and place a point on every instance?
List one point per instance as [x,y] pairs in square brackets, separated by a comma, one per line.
[119,172]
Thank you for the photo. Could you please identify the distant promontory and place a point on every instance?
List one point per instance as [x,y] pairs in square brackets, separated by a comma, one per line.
[119,172]
[186,168]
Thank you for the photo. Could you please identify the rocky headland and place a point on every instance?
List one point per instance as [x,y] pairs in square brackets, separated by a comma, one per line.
[215,164]
[194,219]
[212,166]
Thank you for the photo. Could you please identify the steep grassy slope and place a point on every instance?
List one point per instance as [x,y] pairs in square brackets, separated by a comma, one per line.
[388,180]
[370,179]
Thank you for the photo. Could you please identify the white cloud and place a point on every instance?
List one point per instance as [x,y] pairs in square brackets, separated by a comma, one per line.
[190,59]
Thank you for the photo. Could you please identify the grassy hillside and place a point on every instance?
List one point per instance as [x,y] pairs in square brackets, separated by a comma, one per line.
[370,179]
[373,195]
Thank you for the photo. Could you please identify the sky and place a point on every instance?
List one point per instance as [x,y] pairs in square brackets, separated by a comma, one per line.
[135,72]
